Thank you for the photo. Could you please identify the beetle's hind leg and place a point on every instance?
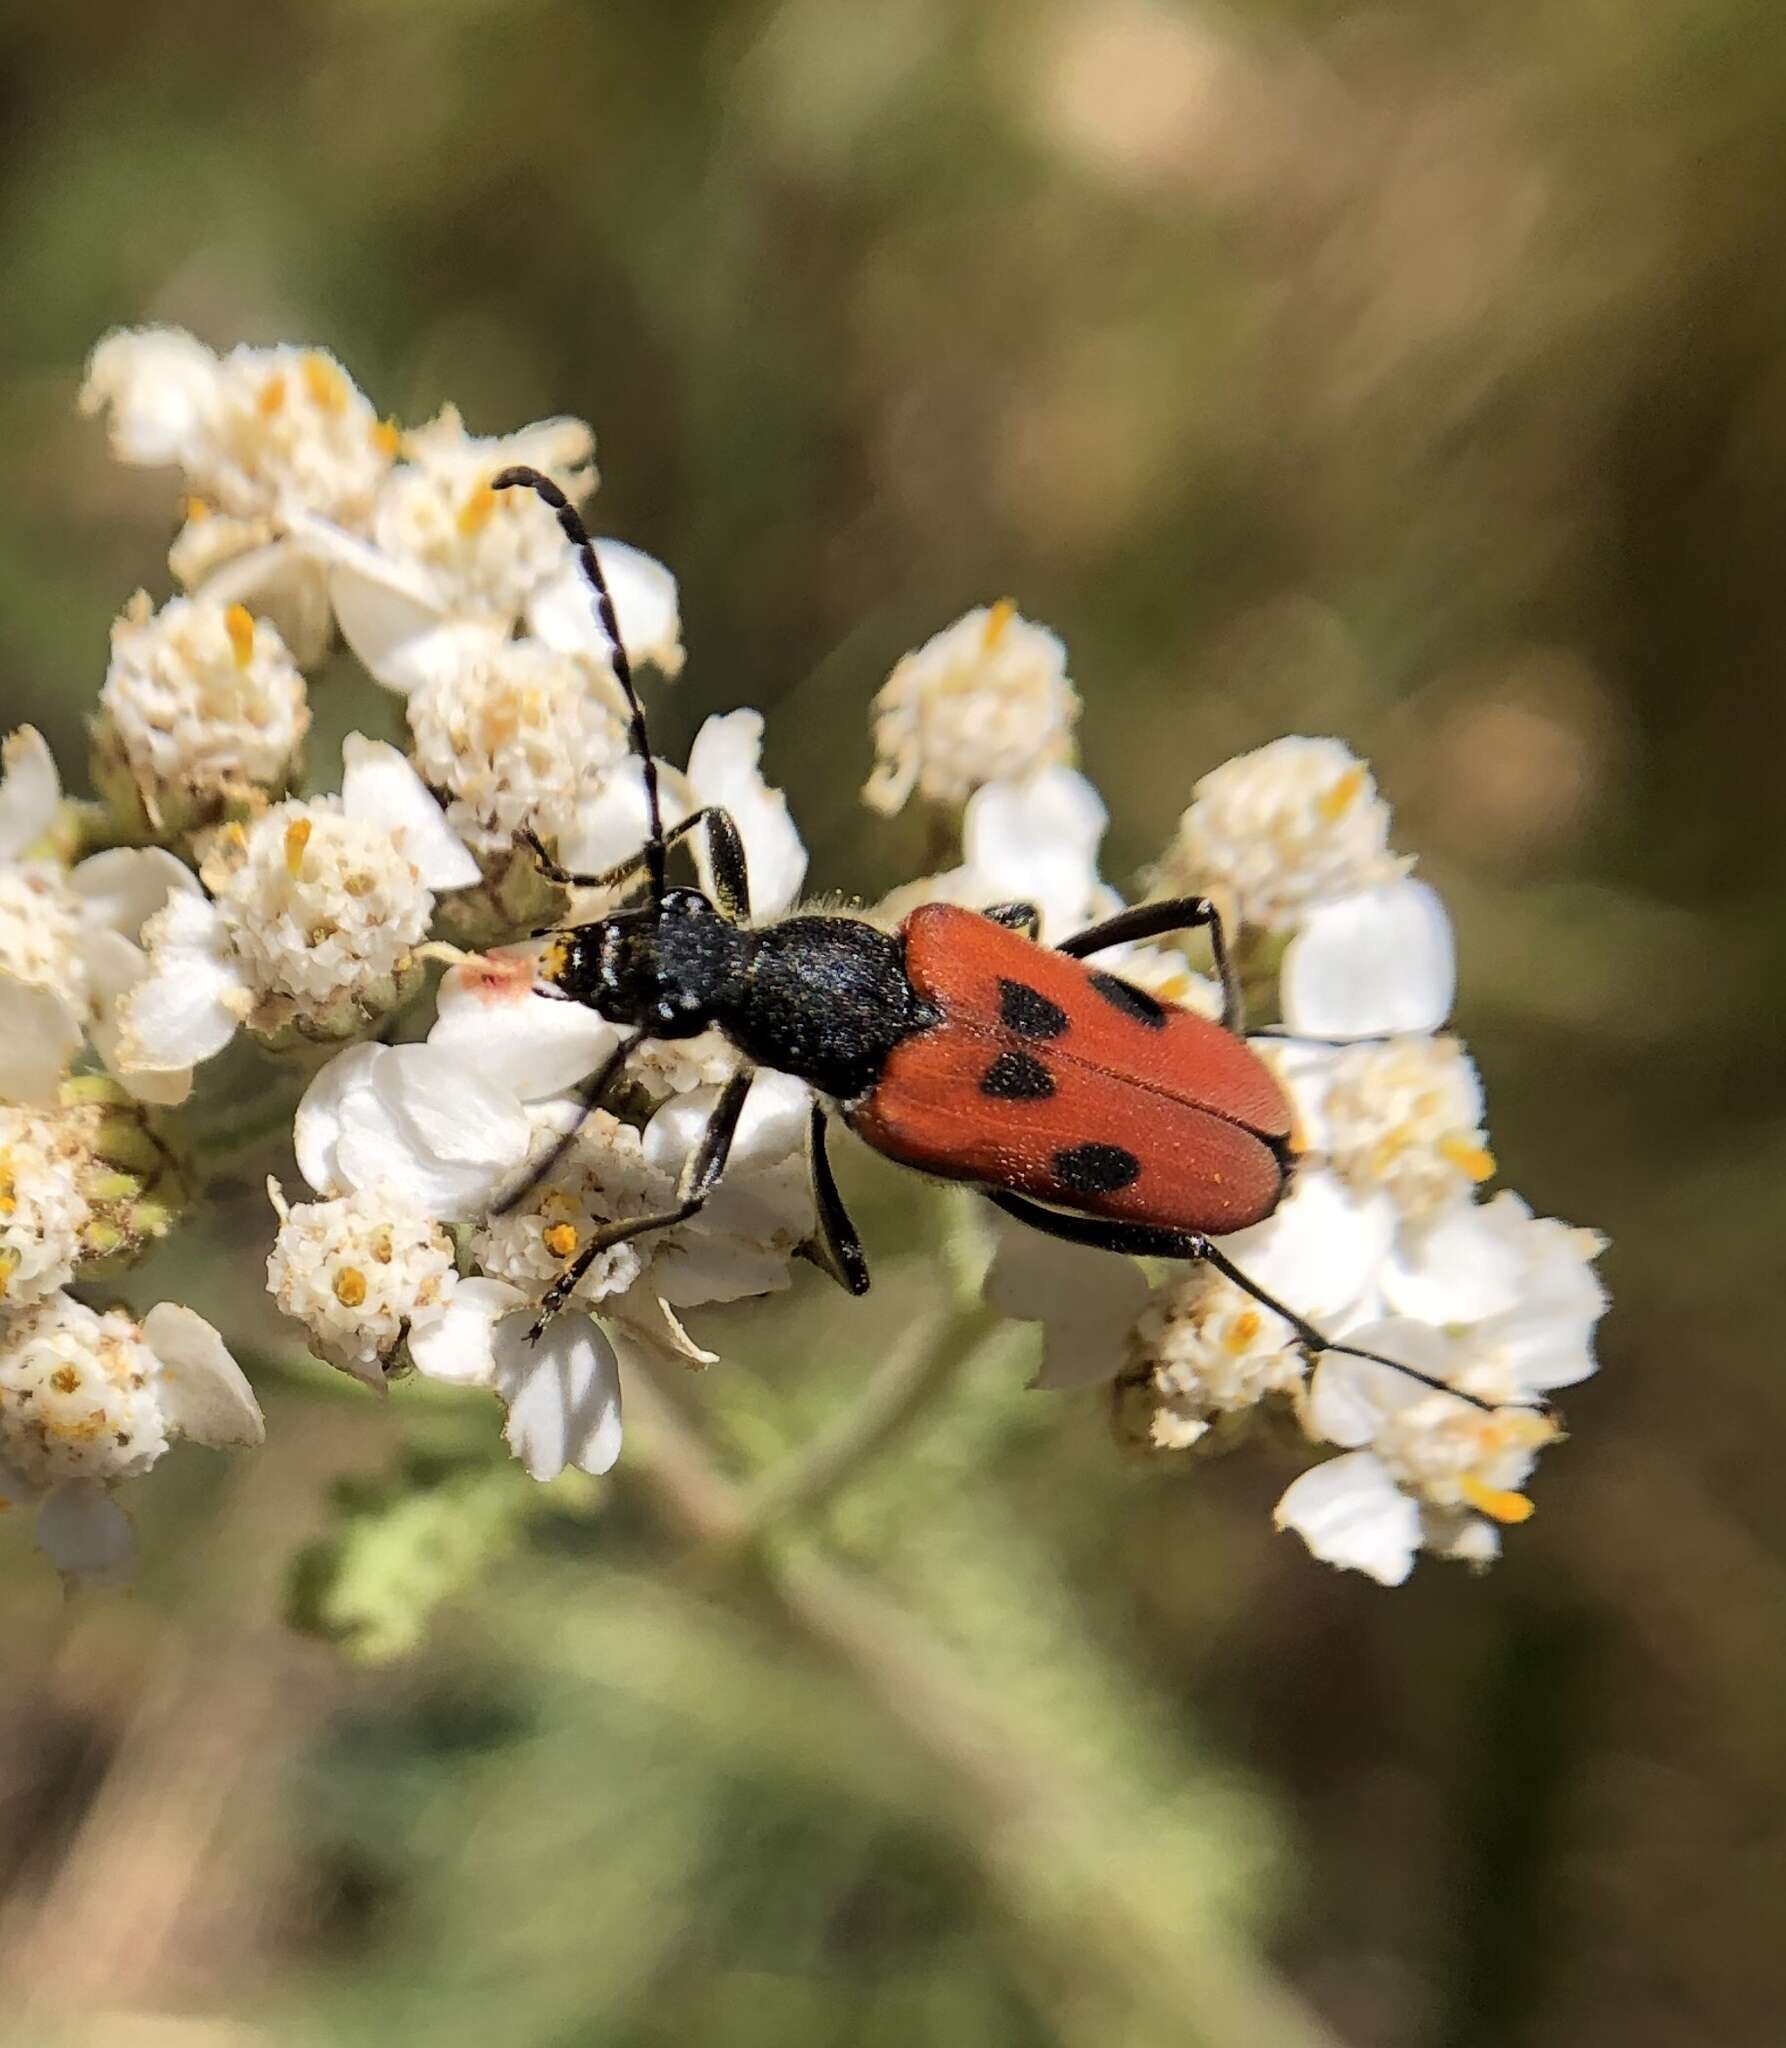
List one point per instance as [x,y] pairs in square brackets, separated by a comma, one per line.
[1150,1241]
[834,1245]
[700,1175]
[1154,921]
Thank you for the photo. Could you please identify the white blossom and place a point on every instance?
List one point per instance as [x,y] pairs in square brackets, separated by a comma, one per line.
[89,1399]
[355,1270]
[1275,831]
[1378,961]
[201,707]
[518,734]
[985,700]
[314,914]
[43,1209]
[69,939]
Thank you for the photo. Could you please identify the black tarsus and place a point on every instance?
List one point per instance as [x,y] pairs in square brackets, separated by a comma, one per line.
[573,529]
[700,1172]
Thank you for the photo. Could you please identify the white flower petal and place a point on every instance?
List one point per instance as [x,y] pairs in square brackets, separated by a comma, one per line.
[30,790]
[1378,961]
[724,769]
[771,1129]
[122,888]
[1456,1269]
[455,1342]
[1350,1398]
[421,1117]
[1086,1301]
[538,1045]
[202,1390]
[331,1100]
[39,1035]
[1037,841]
[1351,1513]
[646,1331]
[611,827]
[188,1004]
[84,1532]
[1320,1250]
[561,611]
[562,1394]
[379,787]
[114,967]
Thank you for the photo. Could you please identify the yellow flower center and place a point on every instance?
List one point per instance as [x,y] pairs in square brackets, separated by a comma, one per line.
[325,383]
[272,395]
[297,837]
[1475,1162]
[387,437]
[561,1240]
[350,1287]
[1498,1503]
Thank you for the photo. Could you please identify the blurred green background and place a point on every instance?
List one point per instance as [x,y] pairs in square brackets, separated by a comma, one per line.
[1415,375]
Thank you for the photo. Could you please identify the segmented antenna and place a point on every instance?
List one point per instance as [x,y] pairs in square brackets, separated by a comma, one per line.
[578,535]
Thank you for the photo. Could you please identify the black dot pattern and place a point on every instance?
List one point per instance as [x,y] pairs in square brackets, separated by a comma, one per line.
[1132,1001]
[1017,1077]
[1095,1169]
[1028,1010]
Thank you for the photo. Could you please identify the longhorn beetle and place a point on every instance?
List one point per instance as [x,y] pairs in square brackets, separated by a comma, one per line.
[957,1044]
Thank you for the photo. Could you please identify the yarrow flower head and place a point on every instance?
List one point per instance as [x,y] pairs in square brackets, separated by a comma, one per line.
[311,927]
[985,700]
[1274,831]
[88,1399]
[201,715]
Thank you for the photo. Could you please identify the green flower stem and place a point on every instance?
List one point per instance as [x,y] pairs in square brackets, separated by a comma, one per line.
[915,1371]
[1133,1958]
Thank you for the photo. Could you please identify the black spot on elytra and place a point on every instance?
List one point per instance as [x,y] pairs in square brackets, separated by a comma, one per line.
[1017,1077]
[1026,1009]
[1130,1000]
[1095,1169]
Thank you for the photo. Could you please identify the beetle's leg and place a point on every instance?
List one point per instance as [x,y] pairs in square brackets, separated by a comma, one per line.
[591,1092]
[700,1173]
[1016,917]
[1149,1241]
[1153,921]
[725,855]
[834,1245]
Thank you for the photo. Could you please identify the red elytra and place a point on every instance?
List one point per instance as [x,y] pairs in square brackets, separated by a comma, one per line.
[1054,1079]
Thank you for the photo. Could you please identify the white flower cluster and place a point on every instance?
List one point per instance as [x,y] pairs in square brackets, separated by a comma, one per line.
[454,1180]
[1382,1240]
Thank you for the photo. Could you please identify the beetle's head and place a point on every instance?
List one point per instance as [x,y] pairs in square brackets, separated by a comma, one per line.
[663,968]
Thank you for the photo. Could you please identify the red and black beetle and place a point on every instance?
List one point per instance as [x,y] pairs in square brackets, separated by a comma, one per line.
[957,1044]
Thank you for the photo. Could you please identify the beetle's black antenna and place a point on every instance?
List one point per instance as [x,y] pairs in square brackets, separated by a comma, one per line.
[578,535]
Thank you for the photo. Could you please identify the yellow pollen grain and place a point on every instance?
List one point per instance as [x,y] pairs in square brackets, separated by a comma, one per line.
[1496,1502]
[561,1240]
[197,509]
[1241,1332]
[272,395]
[474,514]
[1475,1162]
[65,1379]
[238,622]
[9,1265]
[326,385]
[998,624]
[350,1287]
[1342,796]
[297,837]
[387,437]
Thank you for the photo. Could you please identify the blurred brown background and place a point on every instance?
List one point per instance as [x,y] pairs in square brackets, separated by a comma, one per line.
[1418,376]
